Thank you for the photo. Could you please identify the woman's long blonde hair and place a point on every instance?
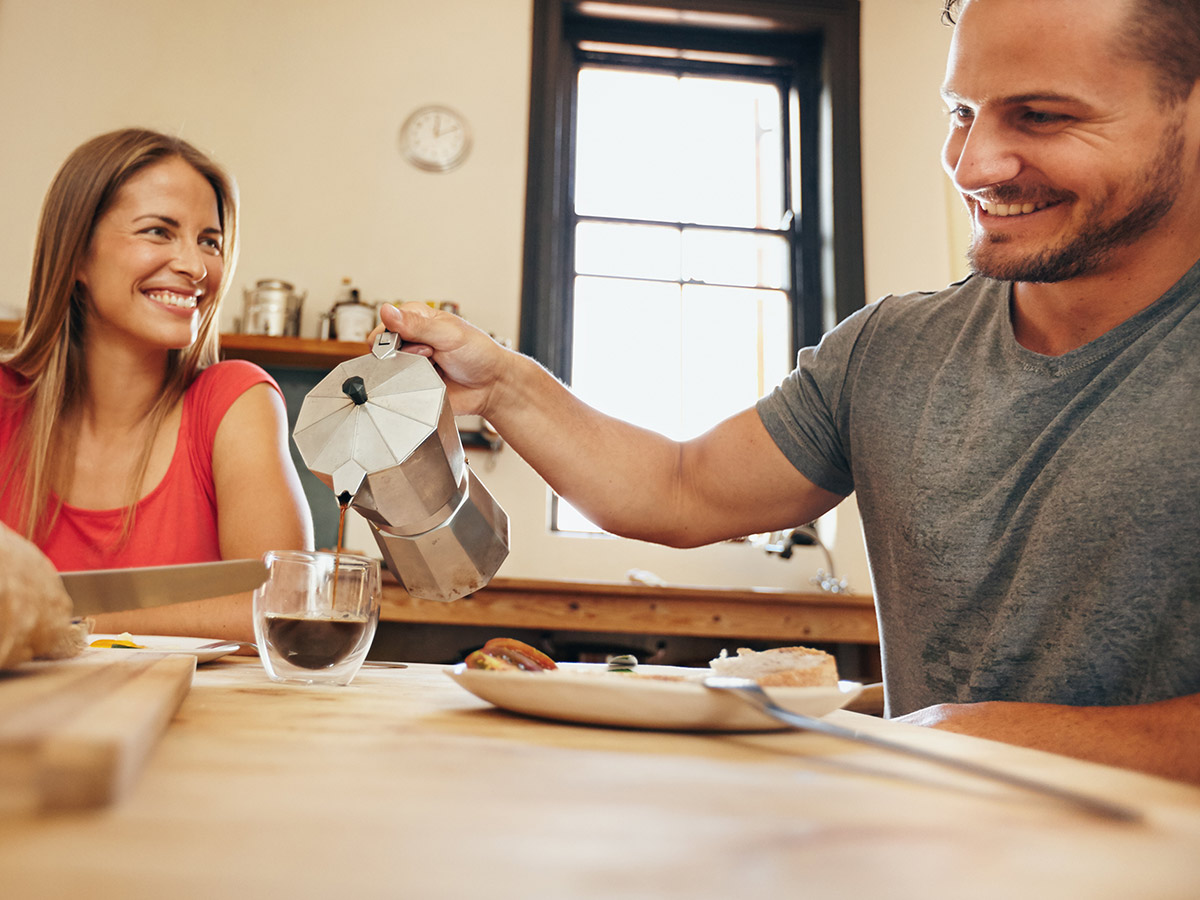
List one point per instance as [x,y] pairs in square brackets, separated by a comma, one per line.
[49,350]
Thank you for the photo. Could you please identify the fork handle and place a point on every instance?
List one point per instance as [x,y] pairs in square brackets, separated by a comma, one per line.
[1083,801]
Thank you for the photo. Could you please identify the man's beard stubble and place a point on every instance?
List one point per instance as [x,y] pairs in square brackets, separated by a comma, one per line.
[1088,249]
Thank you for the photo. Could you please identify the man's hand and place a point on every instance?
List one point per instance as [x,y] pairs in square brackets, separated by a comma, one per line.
[471,363]
[1158,738]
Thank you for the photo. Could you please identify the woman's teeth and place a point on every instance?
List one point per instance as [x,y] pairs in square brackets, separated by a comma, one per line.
[169,298]
[1011,209]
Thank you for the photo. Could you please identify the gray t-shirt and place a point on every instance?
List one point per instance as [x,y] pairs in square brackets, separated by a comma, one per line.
[1032,522]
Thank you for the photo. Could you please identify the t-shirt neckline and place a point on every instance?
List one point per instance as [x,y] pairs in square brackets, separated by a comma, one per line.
[1106,344]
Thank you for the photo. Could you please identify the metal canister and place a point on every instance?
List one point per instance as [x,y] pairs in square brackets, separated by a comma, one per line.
[272,308]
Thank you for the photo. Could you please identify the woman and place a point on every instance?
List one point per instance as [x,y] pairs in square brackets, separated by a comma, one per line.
[123,441]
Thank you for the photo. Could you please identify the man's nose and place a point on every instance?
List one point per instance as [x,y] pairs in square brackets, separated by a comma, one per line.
[981,155]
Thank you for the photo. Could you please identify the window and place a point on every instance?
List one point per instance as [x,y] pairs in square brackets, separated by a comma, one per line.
[693,214]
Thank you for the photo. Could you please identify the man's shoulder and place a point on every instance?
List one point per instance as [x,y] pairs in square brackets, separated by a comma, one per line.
[964,294]
[925,315]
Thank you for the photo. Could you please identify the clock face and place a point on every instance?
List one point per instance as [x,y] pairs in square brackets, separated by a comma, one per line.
[435,138]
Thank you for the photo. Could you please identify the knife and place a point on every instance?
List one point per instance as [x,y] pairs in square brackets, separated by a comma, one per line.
[113,590]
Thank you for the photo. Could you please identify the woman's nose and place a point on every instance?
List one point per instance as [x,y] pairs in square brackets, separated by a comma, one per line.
[980,155]
[191,264]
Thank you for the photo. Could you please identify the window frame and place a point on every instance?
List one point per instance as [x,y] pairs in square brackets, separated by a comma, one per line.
[819,41]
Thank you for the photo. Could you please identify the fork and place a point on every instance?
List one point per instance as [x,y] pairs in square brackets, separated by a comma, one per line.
[749,691]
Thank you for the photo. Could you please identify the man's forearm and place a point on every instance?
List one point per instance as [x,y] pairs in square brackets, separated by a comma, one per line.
[617,474]
[1157,738]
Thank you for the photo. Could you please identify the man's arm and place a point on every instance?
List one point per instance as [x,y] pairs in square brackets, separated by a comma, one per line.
[729,482]
[1158,738]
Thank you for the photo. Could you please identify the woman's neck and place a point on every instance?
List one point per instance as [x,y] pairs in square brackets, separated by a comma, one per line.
[123,385]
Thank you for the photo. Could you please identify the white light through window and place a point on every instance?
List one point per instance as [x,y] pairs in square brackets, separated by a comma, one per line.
[682,259]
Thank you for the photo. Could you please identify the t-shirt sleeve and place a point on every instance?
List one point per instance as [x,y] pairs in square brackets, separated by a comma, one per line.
[805,415]
[216,389]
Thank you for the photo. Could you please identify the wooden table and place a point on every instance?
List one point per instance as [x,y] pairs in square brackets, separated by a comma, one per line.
[403,785]
[809,616]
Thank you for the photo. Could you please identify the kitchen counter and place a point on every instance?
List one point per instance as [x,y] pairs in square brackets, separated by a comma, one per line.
[405,785]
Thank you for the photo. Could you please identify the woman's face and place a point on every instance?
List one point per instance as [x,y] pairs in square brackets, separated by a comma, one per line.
[154,261]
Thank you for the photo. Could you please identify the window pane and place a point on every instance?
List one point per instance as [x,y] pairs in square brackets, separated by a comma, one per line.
[676,328]
[732,152]
[636,251]
[568,518]
[678,148]
[736,258]
[626,358]
[626,145]
[735,349]
[676,360]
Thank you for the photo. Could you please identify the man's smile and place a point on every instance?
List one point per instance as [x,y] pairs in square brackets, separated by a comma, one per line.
[1012,209]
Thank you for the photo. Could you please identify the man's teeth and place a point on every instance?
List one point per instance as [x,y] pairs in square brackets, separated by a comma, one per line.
[169,298]
[1011,209]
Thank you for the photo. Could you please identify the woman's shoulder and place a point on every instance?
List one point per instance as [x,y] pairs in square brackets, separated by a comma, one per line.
[216,388]
[231,372]
[225,381]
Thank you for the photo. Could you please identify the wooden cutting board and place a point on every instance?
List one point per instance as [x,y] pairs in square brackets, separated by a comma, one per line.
[75,733]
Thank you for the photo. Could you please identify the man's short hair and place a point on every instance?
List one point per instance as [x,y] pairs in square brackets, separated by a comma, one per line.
[1162,33]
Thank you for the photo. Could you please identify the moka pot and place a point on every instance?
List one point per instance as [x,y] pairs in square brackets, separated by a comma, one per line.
[379,431]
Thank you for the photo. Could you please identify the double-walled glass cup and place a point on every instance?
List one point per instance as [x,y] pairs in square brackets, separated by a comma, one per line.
[316,614]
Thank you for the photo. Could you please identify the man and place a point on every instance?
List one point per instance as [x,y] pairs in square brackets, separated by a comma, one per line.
[1024,445]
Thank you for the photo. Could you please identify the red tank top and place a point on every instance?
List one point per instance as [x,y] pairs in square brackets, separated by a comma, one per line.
[177,521]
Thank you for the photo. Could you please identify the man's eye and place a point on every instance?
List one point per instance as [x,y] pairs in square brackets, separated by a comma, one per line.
[960,114]
[1041,117]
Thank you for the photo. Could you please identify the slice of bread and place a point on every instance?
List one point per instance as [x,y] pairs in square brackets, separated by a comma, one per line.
[790,666]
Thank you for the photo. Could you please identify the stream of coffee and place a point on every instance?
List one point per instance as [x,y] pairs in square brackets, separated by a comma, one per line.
[344,503]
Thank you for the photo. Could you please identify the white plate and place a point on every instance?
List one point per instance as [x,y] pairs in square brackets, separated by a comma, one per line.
[164,644]
[589,693]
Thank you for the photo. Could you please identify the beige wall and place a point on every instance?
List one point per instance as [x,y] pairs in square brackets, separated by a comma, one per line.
[302,99]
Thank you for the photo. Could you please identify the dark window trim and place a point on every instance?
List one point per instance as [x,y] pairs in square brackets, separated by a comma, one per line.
[829,282]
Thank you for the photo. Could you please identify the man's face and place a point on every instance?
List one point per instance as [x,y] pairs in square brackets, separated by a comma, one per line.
[1063,155]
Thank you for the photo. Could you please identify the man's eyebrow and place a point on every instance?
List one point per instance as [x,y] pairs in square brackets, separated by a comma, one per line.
[1017,99]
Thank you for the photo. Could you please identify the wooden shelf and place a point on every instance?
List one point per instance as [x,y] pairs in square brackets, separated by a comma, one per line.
[302,353]
[308,353]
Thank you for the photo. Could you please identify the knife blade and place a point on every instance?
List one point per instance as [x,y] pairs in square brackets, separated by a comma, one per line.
[113,590]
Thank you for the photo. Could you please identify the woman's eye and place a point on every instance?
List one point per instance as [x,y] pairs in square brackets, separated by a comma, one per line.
[212,244]
[155,231]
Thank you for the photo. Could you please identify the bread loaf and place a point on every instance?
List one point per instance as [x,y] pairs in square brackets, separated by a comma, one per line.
[35,610]
[790,666]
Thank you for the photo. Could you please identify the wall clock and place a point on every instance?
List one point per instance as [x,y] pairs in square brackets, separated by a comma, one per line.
[435,138]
